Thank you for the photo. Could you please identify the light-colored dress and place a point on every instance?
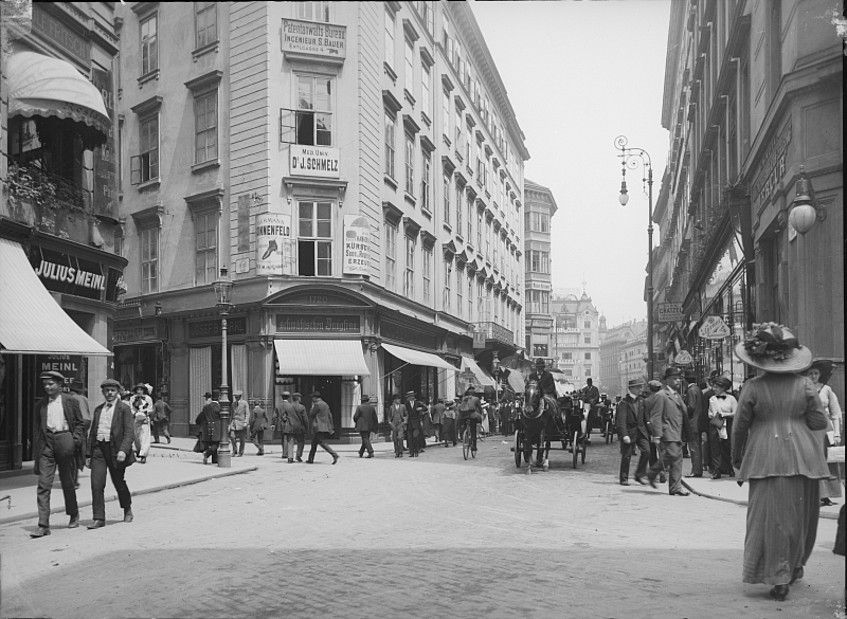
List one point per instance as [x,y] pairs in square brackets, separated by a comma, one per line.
[725,407]
[142,408]
[831,488]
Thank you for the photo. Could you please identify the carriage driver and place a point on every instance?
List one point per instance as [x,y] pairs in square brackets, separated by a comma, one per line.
[546,384]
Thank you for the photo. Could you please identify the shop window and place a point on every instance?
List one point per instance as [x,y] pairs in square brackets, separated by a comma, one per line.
[390,255]
[149,238]
[314,243]
[145,165]
[206,23]
[206,126]
[313,116]
[150,44]
[409,275]
[313,11]
[205,247]
[390,146]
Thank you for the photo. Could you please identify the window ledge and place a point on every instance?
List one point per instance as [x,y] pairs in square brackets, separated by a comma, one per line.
[410,198]
[386,68]
[205,49]
[446,140]
[447,226]
[426,119]
[408,96]
[427,213]
[151,184]
[148,77]
[206,165]
[389,180]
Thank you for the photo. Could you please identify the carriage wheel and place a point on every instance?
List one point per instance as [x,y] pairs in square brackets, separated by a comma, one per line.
[575,445]
[518,448]
[584,450]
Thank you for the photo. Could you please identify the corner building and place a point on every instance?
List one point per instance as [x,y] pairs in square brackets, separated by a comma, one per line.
[540,208]
[358,170]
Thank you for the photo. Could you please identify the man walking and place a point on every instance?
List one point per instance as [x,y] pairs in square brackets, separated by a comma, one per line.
[110,448]
[647,451]
[590,398]
[437,414]
[366,422]
[299,429]
[59,431]
[238,425]
[285,419]
[397,421]
[669,419]
[322,428]
[627,426]
[208,423]
[161,419]
[258,425]
[696,406]
[415,410]
[76,391]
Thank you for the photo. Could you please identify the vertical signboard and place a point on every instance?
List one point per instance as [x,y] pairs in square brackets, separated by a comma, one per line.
[357,236]
[103,197]
[273,235]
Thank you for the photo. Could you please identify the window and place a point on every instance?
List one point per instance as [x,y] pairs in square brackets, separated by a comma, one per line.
[460,302]
[470,208]
[313,118]
[458,144]
[425,11]
[390,256]
[205,247]
[470,296]
[539,222]
[390,149]
[388,37]
[206,126]
[587,324]
[480,300]
[426,165]
[409,276]
[409,74]
[313,11]
[149,260]
[448,190]
[539,261]
[447,117]
[145,165]
[205,23]
[426,272]
[567,355]
[426,79]
[479,227]
[587,339]
[410,165]
[314,243]
[448,280]
[460,206]
[569,373]
[587,372]
[150,44]
[588,356]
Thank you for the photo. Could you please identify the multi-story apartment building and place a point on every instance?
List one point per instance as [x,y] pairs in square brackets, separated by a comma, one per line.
[623,354]
[576,339]
[752,92]
[357,170]
[540,206]
[59,274]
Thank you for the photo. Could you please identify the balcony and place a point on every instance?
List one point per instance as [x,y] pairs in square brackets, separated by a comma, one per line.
[496,333]
[44,200]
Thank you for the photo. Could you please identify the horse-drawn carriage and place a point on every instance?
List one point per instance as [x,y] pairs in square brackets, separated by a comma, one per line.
[545,420]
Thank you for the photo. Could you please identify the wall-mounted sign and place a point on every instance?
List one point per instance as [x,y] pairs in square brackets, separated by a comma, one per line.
[683,358]
[669,312]
[315,38]
[772,168]
[357,238]
[319,324]
[212,328]
[315,161]
[145,332]
[713,328]
[65,273]
[56,31]
[71,366]
[273,230]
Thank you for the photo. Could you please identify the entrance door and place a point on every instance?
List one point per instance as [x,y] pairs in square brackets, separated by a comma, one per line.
[330,389]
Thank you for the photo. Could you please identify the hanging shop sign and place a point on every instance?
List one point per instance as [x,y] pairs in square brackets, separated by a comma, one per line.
[669,312]
[314,38]
[273,233]
[683,358]
[314,161]
[713,328]
[68,274]
[357,236]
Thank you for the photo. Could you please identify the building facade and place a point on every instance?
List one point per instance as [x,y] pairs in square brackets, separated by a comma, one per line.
[576,340]
[752,91]
[540,206]
[623,354]
[357,171]
[60,276]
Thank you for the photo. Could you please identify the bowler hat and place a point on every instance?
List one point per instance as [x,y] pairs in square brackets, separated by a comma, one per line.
[110,382]
[287,394]
[52,375]
[410,393]
[296,394]
[316,394]
[208,394]
[366,397]
[672,372]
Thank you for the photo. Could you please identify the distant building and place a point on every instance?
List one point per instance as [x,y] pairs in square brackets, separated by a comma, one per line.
[623,353]
[540,206]
[576,336]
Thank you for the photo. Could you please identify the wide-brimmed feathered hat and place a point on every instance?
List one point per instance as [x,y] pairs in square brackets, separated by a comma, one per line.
[775,349]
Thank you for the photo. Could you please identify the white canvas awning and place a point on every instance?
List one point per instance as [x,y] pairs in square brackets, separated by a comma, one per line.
[417,357]
[31,322]
[321,358]
[468,363]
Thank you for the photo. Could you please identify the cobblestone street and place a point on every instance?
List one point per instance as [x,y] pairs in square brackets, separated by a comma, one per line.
[386,538]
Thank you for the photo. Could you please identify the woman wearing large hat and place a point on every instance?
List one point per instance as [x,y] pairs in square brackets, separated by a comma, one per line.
[777,449]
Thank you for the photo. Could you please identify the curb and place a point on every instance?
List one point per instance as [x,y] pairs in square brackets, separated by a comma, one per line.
[826,515]
[114,497]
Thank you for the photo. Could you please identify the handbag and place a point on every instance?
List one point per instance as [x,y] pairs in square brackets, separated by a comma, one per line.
[717,421]
[199,446]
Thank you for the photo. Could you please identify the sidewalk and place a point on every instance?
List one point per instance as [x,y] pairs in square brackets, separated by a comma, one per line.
[164,470]
[727,489]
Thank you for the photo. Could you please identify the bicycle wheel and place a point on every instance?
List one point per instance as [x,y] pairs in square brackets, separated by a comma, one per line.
[466,442]
[575,443]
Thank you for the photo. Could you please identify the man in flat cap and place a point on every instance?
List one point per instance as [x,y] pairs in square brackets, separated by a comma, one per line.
[110,441]
[366,422]
[322,427]
[238,425]
[669,420]
[59,431]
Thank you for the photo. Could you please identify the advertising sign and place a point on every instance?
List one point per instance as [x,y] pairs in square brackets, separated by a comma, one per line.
[317,38]
[71,366]
[669,312]
[103,195]
[713,328]
[357,236]
[315,161]
[683,358]
[65,273]
[273,232]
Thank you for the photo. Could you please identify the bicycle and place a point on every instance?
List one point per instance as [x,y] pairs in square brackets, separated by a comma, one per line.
[466,441]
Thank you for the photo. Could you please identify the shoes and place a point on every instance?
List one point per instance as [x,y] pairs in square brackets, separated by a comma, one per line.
[826,502]
[692,475]
[76,485]
[291,461]
[142,460]
[128,515]
[716,476]
[309,461]
[334,458]
[97,524]
[205,459]
[42,532]
[779,592]
[299,459]
[74,522]
[624,482]
[652,481]
[370,455]
[361,455]
[796,575]
[261,453]
[169,440]
[680,493]
[641,481]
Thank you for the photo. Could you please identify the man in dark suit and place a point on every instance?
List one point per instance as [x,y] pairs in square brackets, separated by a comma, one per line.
[366,421]
[301,428]
[208,424]
[647,451]
[110,442]
[697,407]
[627,425]
[59,431]
[669,420]
[258,425]
[322,427]
[415,411]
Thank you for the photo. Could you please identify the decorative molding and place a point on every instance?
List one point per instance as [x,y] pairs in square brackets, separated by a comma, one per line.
[391,103]
[392,213]
[208,80]
[149,217]
[148,106]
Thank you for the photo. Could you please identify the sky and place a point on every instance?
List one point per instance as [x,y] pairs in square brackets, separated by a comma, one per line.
[578,74]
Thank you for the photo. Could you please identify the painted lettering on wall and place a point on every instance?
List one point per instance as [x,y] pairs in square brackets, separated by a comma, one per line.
[317,161]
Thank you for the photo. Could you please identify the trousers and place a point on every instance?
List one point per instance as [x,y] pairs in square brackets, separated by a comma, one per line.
[102,459]
[236,439]
[160,427]
[646,456]
[58,452]
[288,443]
[319,438]
[366,443]
[259,440]
[626,456]
[695,450]
[397,437]
[670,457]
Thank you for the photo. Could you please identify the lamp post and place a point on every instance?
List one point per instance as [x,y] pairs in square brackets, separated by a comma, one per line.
[223,287]
[630,156]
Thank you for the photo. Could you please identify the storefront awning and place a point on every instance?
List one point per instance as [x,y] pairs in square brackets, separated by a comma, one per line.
[320,358]
[31,322]
[43,86]
[516,381]
[417,357]
[468,363]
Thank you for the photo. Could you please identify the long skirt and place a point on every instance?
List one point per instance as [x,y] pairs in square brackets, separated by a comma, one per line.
[782,523]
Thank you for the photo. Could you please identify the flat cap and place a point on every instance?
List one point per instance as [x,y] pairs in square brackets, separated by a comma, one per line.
[634,382]
[110,382]
[654,384]
[316,394]
[52,375]
[296,394]
[366,397]
[672,371]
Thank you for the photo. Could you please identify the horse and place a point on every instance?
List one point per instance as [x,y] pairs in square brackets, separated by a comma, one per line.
[539,415]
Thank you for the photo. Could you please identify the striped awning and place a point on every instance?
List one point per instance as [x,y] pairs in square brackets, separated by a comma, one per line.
[31,322]
[320,358]
[418,357]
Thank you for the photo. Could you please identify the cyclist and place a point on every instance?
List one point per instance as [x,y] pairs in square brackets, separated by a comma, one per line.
[470,410]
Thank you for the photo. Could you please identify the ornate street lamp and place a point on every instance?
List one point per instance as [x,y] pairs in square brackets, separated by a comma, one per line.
[805,211]
[223,287]
[630,156]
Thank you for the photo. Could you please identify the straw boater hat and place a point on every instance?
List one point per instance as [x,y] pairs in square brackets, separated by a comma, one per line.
[775,349]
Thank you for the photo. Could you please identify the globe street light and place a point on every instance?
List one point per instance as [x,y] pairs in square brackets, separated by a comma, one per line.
[223,287]
[630,156]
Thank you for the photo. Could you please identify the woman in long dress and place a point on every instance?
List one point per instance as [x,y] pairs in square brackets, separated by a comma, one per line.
[819,374]
[777,449]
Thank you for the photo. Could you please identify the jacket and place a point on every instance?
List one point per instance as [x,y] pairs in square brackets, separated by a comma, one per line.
[627,418]
[774,433]
[73,417]
[696,406]
[591,394]
[121,433]
[437,413]
[258,419]
[240,416]
[470,407]
[161,410]
[668,416]
[209,423]
[287,419]
[365,418]
[397,416]
[321,417]
[545,380]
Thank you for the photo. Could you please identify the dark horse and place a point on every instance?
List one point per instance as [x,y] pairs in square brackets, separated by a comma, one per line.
[540,414]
